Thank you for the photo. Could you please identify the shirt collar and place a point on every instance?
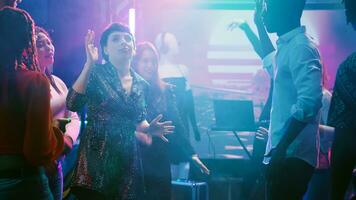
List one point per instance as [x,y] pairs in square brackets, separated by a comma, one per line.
[285,38]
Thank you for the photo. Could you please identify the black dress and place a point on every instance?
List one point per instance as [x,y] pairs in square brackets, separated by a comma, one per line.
[158,157]
[108,160]
[185,105]
[342,116]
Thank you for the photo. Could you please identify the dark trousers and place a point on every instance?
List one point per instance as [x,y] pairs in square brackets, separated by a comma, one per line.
[24,185]
[253,187]
[292,181]
[157,171]
[319,185]
[343,159]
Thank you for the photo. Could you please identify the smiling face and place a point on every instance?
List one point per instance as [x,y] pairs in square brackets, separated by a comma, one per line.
[120,45]
[45,50]
[147,65]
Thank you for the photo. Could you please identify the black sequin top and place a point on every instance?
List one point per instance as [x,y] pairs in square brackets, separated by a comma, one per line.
[178,149]
[342,113]
[108,159]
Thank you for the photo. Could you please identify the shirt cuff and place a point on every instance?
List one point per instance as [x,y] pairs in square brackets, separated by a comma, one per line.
[303,115]
[267,61]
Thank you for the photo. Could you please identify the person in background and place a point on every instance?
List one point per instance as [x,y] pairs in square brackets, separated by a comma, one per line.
[319,186]
[108,161]
[156,153]
[28,141]
[342,118]
[59,90]
[176,74]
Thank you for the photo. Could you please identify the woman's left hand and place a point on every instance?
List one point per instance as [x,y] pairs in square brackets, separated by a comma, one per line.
[160,129]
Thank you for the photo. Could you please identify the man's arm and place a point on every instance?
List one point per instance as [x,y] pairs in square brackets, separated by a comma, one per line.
[253,39]
[266,43]
[306,73]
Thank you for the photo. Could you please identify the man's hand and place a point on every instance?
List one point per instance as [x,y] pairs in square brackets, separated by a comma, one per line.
[262,134]
[242,24]
[257,18]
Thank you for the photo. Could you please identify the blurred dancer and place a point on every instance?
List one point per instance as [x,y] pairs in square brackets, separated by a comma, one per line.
[176,74]
[342,118]
[59,90]
[28,140]
[156,153]
[109,163]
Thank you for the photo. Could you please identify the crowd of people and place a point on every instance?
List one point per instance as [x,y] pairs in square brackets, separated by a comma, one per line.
[140,109]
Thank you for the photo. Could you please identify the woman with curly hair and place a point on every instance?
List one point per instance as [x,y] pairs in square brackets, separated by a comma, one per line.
[27,139]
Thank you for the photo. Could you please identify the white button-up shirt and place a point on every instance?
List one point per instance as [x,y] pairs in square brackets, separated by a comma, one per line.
[297,75]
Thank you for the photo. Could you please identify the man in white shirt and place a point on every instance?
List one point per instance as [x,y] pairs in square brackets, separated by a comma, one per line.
[293,143]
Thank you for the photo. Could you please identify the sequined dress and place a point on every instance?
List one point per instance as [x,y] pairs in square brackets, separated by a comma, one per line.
[108,159]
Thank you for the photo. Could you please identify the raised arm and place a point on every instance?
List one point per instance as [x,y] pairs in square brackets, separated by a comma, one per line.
[251,36]
[81,83]
[76,98]
[265,41]
[261,43]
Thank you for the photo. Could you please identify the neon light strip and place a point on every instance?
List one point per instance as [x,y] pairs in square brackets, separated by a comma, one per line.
[132,20]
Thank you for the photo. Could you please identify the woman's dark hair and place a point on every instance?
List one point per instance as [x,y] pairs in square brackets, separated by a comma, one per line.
[141,47]
[39,29]
[350,10]
[17,49]
[114,27]
[47,72]
[11,3]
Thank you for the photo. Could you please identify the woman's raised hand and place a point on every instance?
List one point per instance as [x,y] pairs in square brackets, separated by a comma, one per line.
[90,49]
